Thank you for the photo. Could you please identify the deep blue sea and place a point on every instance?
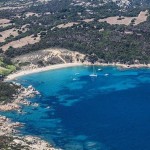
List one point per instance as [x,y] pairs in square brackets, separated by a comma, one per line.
[79,112]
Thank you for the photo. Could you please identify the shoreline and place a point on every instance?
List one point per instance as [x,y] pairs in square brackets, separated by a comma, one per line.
[10,130]
[42,69]
[66,65]
[30,91]
[124,66]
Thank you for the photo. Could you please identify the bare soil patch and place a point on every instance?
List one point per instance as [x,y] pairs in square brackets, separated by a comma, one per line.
[4,21]
[142,17]
[88,20]
[7,33]
[28,14]
[5,25]
[70,24]
[8,7]
[21,42]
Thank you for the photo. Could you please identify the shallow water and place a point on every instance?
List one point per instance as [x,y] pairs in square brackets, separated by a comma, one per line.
[104,113]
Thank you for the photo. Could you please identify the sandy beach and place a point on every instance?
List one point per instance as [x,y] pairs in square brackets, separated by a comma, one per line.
[52,67]
[9,127]
[59,66]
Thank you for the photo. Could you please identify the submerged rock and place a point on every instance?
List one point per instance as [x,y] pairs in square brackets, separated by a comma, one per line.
[8,141]
[74,146]
[92,145]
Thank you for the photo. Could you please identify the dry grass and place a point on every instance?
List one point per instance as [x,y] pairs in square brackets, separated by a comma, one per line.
[5,25]
[43,1]
[88,20]
[70,24]
[126,20]
[128,32]
[4,21]
[12,8]
[5,34]
[22,42]
[114,20]
[28,14]
[142,17]
[17,6]
[14,32]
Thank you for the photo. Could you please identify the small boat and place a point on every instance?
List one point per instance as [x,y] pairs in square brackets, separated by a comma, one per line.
[74,79]
[77,73]
[94,73]
[106,74]
[99,69]
[48,107]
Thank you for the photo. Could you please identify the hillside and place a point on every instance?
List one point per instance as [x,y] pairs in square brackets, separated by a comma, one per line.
[39,33]
[116,31]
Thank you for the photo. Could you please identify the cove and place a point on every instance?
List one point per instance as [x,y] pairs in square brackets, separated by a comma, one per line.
[79,112]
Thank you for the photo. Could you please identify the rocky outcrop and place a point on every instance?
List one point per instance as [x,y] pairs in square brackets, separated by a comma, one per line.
[9,141]
[8,129]
[19,98]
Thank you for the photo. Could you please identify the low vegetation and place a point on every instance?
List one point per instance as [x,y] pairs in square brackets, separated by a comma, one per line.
[7,91]
[82,26]
[6,143]
[6,66]
[62,24]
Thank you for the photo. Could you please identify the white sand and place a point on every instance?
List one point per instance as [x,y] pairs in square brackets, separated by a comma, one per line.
[58,66]
[52,67]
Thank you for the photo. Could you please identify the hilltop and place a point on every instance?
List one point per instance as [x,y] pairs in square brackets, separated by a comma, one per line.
[115,31]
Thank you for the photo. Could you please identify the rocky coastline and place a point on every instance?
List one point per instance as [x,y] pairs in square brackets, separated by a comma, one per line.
[9,134]
[19,98]
[8,128]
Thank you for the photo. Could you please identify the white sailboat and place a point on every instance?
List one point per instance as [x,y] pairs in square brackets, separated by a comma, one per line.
[94,73]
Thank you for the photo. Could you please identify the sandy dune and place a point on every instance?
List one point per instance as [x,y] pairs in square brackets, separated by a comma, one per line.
[48,57]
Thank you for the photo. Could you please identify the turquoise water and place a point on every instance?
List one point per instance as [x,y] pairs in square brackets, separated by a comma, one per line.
[104,113]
